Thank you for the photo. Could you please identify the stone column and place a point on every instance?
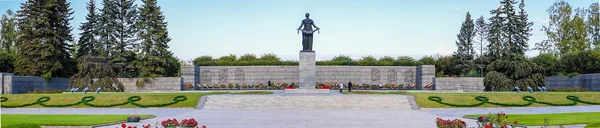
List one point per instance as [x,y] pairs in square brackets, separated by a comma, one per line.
[307,70]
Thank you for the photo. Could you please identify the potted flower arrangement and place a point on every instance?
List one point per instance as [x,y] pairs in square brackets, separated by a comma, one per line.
[244,86]
[217,86]
[223,86]
[230,86]
[393,86]
[188,85]
[188,123]
[237,86]
[170,123]
[133,118]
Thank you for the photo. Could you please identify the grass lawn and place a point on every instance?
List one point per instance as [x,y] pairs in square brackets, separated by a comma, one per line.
[366,92]
[62,120]
[502,97]
[554,119]
[593,125]
[113,98]
[252,93]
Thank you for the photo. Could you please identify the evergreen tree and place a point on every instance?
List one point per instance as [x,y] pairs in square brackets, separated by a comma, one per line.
[524,28]
[8,33]
[463,57]
[44,33]
[495,36]
[154,53]
[88,39]
[481,34]
[122,54]
[107,22]
[510,29]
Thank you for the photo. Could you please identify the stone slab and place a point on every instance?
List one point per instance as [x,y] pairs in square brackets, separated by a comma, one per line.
[307,70]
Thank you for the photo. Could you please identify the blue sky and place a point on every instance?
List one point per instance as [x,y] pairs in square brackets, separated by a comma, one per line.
[350,27]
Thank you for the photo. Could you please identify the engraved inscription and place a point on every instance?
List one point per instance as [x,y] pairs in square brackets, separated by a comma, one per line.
[375,75]
[223,75]
[408,75]
[239,74]
[206,76]
[392,75]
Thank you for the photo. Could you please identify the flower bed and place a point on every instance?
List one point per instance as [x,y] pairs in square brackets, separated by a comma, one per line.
[568,90]
[257,86]
[365,86]
[170,123]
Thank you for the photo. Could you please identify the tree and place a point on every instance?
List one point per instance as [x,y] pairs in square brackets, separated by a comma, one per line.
[202,59]
[122,54]
[8,33]
[7,60]
[514,70]
[585,62]
[481,32]
[463,56]
[44,33]
[442,66]
[513,42]
[386,59]
[107,22]
[548,62]
[228,58]
[92,67]
[593,22]
[154,37]
[495,36]
[342,58]
[269,57]
[524,28]
[88,38]
[566,32]
[427,60]
[248,57]
[406,61]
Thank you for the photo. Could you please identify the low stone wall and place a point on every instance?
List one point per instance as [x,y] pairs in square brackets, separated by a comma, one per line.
[12,84]
[161,84]
[211,75]
[589,81]
[465,84]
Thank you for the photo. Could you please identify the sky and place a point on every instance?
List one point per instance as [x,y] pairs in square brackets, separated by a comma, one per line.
[355,28]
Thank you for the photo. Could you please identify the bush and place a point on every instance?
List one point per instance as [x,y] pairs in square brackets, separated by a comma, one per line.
[586,62]
[456,123]
[23,126]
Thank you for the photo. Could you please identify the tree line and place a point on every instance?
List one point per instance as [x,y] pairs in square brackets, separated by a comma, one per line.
[495,47]
[119,38]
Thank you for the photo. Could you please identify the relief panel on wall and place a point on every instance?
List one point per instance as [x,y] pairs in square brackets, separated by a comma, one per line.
[375,75]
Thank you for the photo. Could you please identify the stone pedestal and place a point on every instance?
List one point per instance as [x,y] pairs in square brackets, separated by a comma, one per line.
[307,70]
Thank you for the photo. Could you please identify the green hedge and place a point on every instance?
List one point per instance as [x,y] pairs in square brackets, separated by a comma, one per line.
[87,99]
[530,100]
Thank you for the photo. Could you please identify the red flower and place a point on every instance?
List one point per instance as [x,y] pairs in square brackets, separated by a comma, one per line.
[487,126]
[203,126]
[123,125]
[134,126]
[128,126]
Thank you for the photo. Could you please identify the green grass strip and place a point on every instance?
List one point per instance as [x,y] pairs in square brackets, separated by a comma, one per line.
[62,119]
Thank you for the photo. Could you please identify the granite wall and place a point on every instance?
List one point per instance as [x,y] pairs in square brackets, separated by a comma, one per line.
[589,81]
[460,84]
[12,84]
[211,75]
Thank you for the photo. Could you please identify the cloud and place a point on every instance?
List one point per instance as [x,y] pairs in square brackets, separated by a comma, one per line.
[456,9]
[543,21]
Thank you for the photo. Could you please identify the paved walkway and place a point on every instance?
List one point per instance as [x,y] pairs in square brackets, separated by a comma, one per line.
[220,113]
[352,102]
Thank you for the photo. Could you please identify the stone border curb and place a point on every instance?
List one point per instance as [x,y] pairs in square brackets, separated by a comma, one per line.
[101,125]
[413,103]
[201,102]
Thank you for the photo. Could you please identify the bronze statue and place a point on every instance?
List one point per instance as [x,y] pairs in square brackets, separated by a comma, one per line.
[307,33]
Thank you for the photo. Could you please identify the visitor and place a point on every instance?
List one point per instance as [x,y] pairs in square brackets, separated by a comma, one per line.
[341,87]
[269,84]
[349,86]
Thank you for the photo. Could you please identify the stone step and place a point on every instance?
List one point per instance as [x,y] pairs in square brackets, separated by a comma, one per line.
[307,90]
[361,102]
